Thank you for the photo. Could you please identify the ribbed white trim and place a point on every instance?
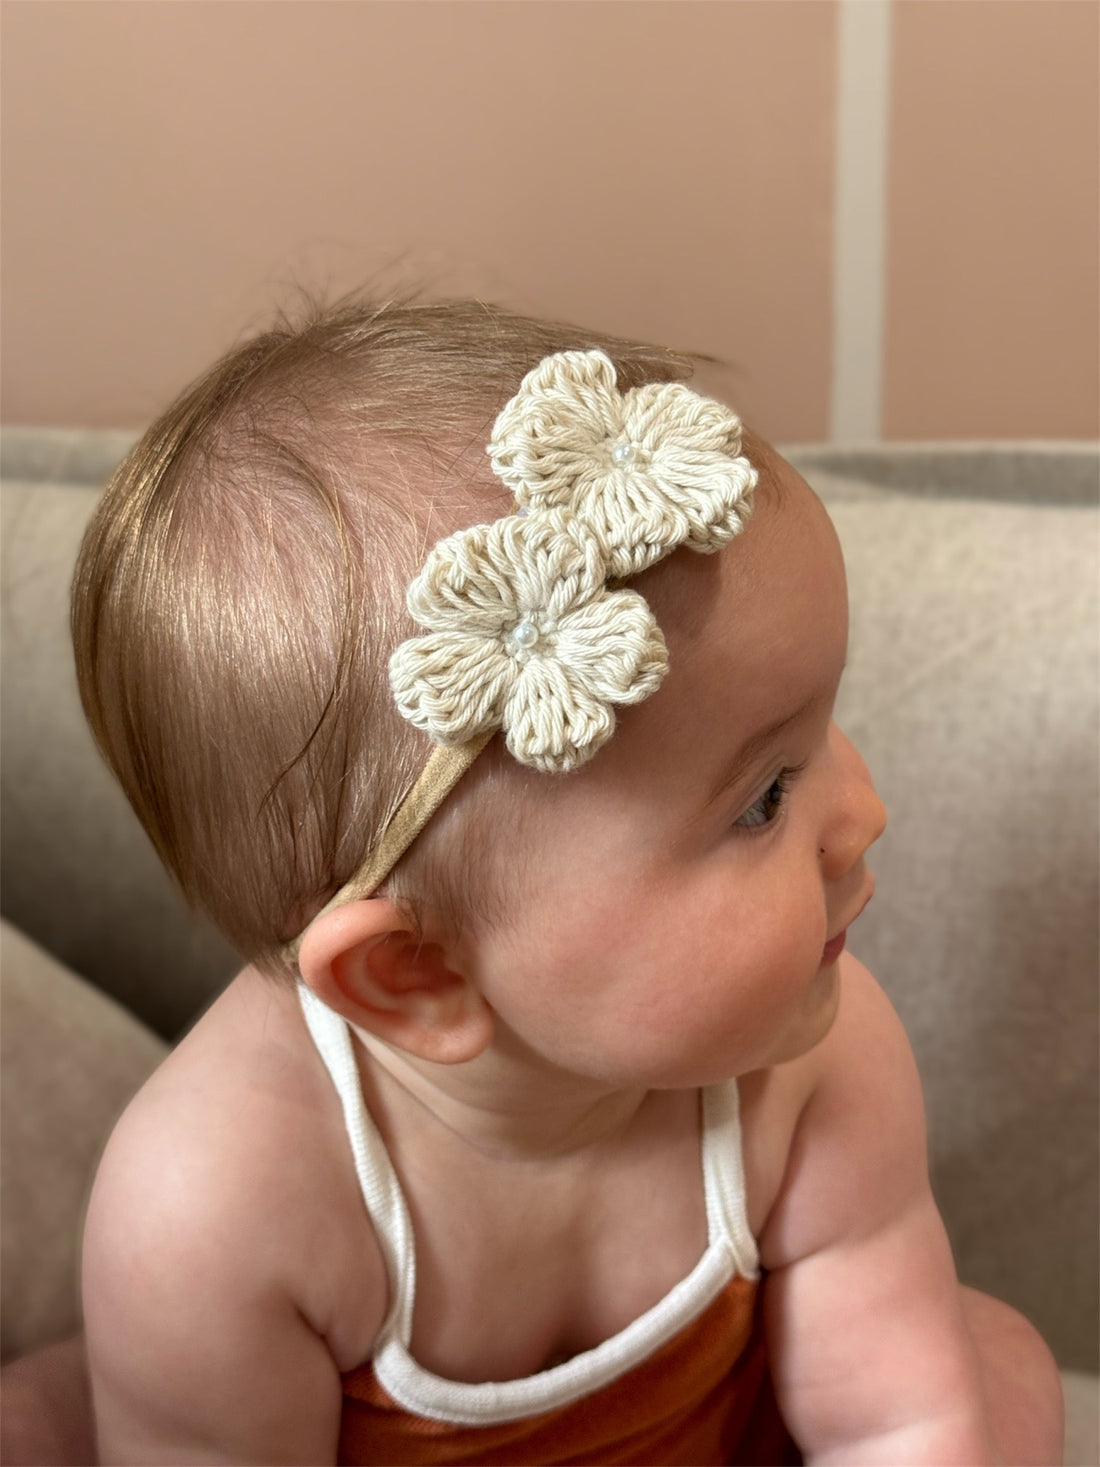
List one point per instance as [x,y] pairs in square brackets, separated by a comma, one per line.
[488,1403]
[724,1177]
[377,1179]
[731,1249]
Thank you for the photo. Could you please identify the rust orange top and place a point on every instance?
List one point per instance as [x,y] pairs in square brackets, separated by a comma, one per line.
[704,1397]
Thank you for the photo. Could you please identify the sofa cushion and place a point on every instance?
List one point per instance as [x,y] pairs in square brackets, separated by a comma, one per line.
[77,872]
[971,691]
[70,1059]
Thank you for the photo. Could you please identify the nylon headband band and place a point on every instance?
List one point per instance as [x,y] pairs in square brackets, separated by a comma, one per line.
[445,767]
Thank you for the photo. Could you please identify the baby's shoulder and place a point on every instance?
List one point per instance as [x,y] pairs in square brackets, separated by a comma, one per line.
[225,1113]
[842,1128]
[230,1170]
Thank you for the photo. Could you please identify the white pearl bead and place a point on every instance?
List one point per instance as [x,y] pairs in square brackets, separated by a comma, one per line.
[523,635]
[623,453]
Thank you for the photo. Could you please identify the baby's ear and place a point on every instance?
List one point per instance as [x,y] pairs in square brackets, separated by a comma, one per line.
[366,961]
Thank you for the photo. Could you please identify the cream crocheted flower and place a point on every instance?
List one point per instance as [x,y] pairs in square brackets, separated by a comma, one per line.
[647,470]
[523,634]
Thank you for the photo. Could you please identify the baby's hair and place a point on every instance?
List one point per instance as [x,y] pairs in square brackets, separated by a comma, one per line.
[241,586]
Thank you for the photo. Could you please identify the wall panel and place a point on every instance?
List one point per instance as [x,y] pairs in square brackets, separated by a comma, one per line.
[993,267]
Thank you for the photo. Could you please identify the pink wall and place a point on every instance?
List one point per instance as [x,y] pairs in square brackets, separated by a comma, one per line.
[994,218]
[663,168]
[172,167]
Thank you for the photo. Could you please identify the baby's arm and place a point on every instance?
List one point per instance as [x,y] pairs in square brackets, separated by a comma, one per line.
[871,1356]
[198,1351]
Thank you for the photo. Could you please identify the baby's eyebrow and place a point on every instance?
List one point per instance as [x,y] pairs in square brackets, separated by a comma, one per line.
[751,750]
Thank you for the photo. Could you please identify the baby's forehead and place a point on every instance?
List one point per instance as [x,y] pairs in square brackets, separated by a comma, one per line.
[749,627]
[788,537]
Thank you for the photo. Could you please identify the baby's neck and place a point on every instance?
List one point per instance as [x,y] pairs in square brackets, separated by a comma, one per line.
[502,1106]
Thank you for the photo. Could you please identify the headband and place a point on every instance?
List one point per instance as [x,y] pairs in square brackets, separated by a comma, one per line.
[528,629]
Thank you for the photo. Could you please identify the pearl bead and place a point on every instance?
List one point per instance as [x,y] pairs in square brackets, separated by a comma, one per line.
[523,636]
[623,453]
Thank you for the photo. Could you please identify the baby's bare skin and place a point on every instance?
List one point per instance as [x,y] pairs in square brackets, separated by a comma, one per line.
[282,1175]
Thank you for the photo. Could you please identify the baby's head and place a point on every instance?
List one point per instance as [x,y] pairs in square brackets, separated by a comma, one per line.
[242,588]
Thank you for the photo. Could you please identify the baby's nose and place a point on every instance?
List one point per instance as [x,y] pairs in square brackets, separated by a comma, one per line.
[859,817]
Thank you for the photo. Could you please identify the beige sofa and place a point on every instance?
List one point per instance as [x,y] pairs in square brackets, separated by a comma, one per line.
[972,692]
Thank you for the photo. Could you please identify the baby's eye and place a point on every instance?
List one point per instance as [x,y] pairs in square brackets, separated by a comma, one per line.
[764,810]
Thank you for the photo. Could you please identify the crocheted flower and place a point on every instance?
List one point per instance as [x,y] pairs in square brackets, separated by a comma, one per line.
[524,634]
[647,470]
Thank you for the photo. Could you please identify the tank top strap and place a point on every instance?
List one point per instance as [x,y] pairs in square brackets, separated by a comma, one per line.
[724,1177]
[381,1190]
[723,1169]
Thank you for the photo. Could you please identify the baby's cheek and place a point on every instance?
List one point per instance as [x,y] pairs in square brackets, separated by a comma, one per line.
[787,929]
[788,964]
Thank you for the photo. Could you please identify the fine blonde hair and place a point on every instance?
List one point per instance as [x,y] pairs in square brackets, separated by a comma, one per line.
[241,586]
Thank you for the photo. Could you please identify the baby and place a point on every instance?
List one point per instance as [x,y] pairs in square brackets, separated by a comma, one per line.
[550,1121]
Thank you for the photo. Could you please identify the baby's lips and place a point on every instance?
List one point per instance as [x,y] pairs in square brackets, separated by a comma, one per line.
[869,891]
[863,904]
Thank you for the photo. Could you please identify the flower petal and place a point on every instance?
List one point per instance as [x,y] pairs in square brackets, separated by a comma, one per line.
[663,509]
[564,564]
[466,582]
[614,646]
[718,513]
[452,685]
[686,485]
[635,523]
[659,412]
[544,440]
[551,721]
[482,580]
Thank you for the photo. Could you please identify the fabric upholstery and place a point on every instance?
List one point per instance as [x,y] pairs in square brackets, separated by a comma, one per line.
[972,694]
[77,871]
[70,1059]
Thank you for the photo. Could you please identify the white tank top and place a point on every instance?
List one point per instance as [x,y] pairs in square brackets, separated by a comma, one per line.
[731,1249]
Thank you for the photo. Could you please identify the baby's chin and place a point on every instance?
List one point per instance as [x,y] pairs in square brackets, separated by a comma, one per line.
[816,1016]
